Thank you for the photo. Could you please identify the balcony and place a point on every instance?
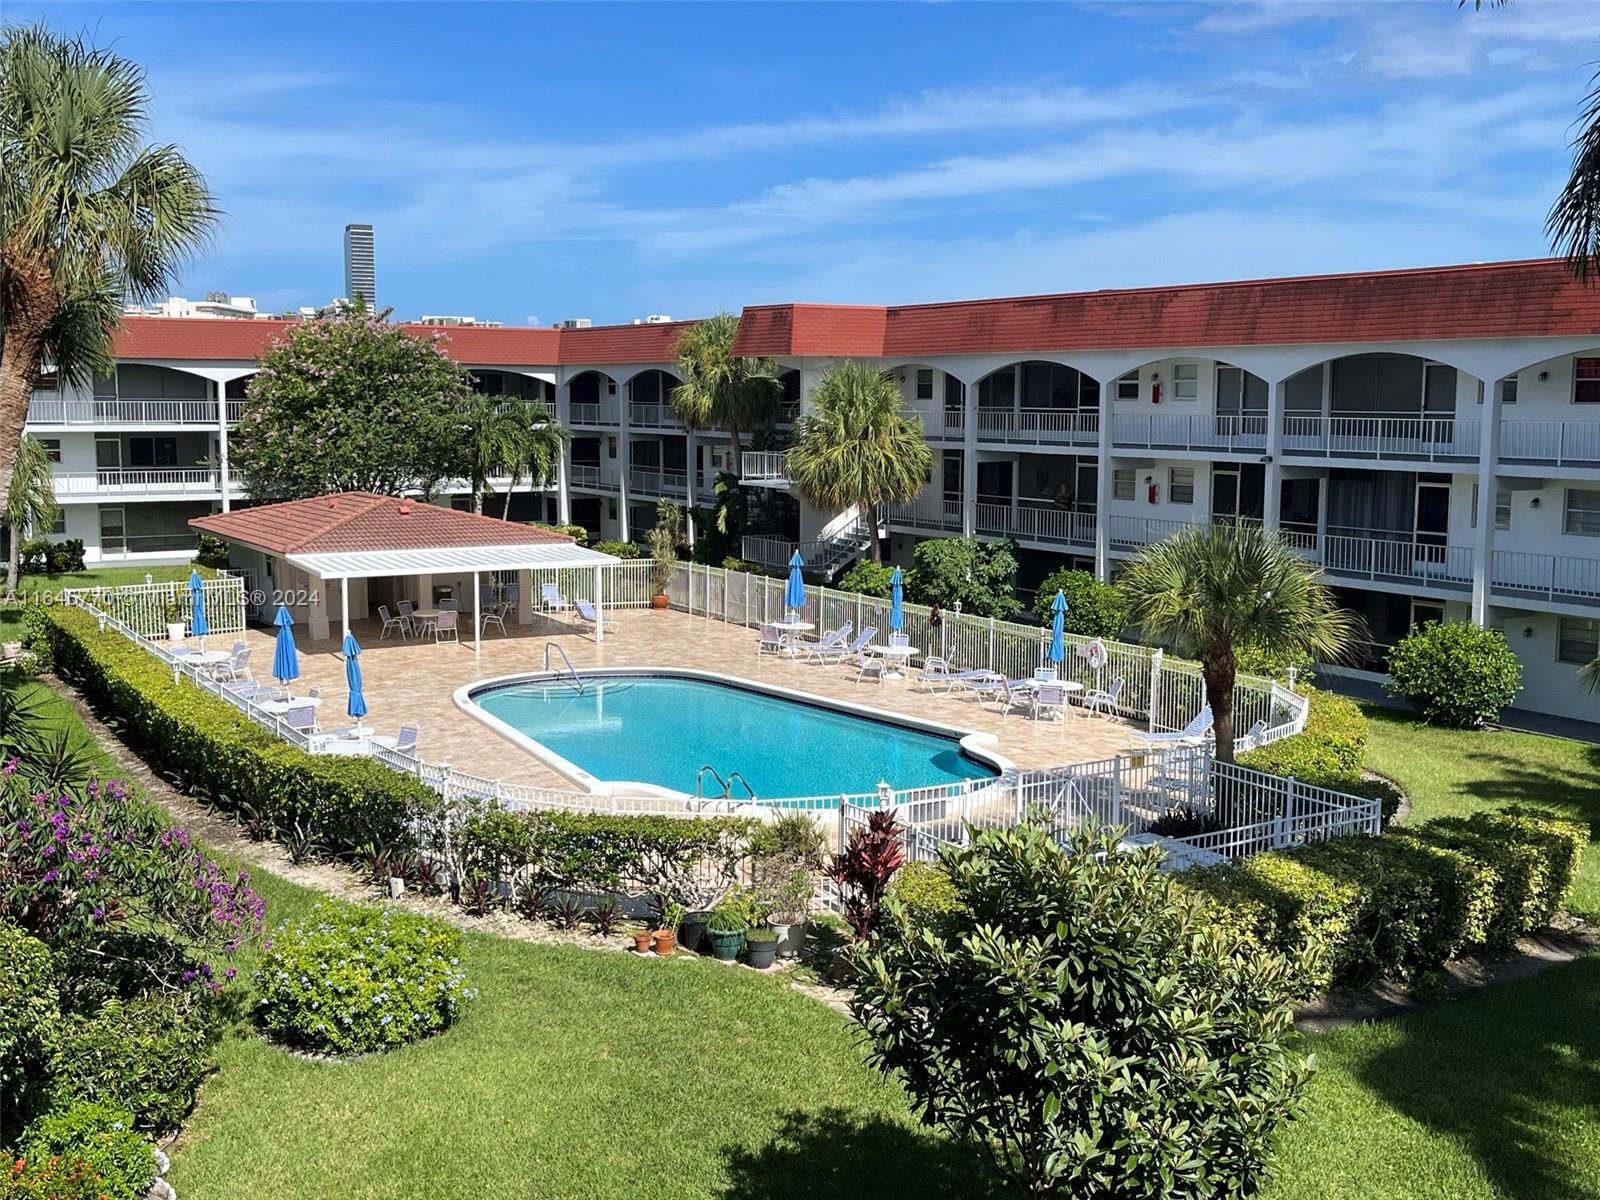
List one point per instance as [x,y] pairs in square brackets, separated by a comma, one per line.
[946,425]
[1551,443]
[1410,562]
[764,468]
[1127,534]
[593,477]
[1190,431]
[1558,578]
[120,482]
[1036,521]
[652,481]
[653,416]
[941,514]
[102,412]
[593,415]
[1372,436]
[1039,426]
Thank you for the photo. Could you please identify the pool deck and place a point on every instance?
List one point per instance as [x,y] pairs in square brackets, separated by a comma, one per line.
[414,681]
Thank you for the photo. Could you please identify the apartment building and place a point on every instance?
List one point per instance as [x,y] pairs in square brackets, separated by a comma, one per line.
[1430,438]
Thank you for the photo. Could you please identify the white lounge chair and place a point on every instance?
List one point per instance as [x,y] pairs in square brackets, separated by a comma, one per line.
[833,637]
[937,672]
[404,742]
[447,627]
[1191,734]
[840,654]
[398,624]
[1105,700]
[588,616]
[1003,693]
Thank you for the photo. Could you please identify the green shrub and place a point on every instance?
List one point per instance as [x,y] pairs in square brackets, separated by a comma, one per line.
[147,1056]
[868,578]
[1328,753]
[920,895]
[101,1137]
[353,978]
[29,1011]
[216,751]
[49,1177]
[576,532]
[41,556]
[1455,674]
[1561,843]
[1077,1017]
[1094,609]
[211,551]
[618,549]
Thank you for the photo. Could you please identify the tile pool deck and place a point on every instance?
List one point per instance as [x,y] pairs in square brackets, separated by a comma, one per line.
[414,681]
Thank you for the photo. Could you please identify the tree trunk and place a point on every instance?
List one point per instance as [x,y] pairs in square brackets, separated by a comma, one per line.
[1217,668]
[29,301]
[14,563]
[736,467]
[477,495]
[505,513]
[869,512]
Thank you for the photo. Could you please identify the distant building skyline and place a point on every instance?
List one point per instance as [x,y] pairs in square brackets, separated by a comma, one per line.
[360,265]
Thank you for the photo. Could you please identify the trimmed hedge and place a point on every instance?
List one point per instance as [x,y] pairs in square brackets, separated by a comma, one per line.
[1329,752]
[214,749]
[101,1137]
[1403,903]
[145,1056]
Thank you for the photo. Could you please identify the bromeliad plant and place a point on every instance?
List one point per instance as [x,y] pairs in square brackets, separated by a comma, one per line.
[864,868]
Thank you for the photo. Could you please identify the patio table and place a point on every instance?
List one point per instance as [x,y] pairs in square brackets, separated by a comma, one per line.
[898,658]
[278,707]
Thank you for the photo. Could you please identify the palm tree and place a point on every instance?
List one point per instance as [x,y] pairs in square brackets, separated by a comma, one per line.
[30,503]
[854,448]
[539,443]
[492,443]
[84,206]
[721,390]
[1211,589]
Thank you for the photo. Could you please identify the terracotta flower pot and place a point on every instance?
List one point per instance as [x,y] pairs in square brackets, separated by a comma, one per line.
[666,943]
[641,941]
[659,600]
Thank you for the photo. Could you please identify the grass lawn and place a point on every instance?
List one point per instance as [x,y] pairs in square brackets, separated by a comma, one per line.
[581,1074]
[102,577]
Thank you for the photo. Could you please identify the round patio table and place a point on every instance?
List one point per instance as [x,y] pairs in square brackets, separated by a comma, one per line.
[898,658]
[278,707]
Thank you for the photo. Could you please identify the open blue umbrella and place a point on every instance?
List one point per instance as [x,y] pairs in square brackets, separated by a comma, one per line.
[285,661]
[197,605]
[794,595]
[357,707]
[897,599]
[1058,623]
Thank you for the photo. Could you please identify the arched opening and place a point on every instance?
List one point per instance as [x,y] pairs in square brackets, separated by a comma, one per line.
[512,383]
[650,400]
[1385,405]
[1190,404]
[1036,401]
[143,393]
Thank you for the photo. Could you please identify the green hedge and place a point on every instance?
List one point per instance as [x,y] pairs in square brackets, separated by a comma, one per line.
[1406,902]
[215,750]
[1329,753]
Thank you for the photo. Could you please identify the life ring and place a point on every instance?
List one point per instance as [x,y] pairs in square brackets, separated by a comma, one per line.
[1094,653]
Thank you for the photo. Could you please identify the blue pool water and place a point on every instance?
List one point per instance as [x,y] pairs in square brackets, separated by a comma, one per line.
[662,729]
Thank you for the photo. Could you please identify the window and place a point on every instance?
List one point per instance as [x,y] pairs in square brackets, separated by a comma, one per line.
[52,448]
[49,380]
[1128,386]
[1577,640]
[924,383]
[1586,381]
[1502,508]
[1583,513]
[1185,381]
[1508,390]
[1180,485]
[1122,483]
[152,451]
[59,525]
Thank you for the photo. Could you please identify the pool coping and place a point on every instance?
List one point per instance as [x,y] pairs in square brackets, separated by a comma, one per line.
[977,744]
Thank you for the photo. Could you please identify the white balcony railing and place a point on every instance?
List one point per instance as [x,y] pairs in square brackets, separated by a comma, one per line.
[1556,577]
[1560,443]
[1039,426]
[764,466]
[944,425]
[652,416]
[45,410]
[1393,561]
[928,511]
[590,475]
[1036,521]
[1129,533]
[1190,431]
[585,413]
[651,481]
[160,481]
[1427,439]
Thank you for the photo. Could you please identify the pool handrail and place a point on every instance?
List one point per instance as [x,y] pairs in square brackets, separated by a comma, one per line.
[571,670]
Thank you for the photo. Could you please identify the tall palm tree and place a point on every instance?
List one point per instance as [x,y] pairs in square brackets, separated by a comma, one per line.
[1211,589]
[539,443]
[721,390]
[854,448]
[84,205]
[492,443]
[30,503]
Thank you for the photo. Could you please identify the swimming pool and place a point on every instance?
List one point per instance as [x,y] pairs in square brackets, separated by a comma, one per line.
[658,728]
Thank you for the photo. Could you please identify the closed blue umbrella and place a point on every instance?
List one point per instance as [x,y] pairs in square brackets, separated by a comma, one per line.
[1058,623]
[897,599]
[285,660]
[794,595]
[197,606]
[357,707]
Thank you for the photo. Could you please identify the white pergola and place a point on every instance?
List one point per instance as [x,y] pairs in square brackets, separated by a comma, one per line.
[345,565]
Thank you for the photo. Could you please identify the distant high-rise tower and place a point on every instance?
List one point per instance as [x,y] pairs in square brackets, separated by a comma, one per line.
[360,268]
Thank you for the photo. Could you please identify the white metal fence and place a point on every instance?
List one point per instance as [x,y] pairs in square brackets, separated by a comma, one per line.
[146,609]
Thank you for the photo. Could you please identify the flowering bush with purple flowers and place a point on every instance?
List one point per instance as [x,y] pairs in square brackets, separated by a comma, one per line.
[353,978]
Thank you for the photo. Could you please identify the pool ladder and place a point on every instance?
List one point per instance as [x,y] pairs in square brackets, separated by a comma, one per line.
[727,784]
[577,679]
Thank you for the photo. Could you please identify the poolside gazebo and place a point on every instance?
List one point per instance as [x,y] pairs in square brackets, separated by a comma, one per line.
[350,551]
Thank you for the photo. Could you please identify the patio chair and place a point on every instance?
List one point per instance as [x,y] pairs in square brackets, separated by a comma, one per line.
[1191,734]
[493,617]
[870,664]
[1105,700]
[588,616]
[839,653]
[236,666]
[553,599]
[1050,698]
[447,627]
[407,617]
[1251,737]
[238,645]
[315,692]
[1045,674]
[400,623]
[899,639]
[404,742]
[302,717]
[772,640]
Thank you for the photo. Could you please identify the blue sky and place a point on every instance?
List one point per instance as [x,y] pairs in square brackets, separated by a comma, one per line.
[532,162]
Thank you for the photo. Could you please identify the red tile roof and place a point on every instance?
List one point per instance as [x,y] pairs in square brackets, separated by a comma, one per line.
[1534,298]
[223,339]
[364,521]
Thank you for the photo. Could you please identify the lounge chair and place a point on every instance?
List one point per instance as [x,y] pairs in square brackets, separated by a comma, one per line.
[938,672]
[1105,700]
[839,654]
[553,599]
[447,627]
[235,667]
[404,742]
[772,640]
[493,617]
[870,664]
[1191,734]
[587,615]
[833,637]
[1251,738]
[399,624]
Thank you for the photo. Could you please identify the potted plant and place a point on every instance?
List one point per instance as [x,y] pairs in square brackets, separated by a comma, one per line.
[692,930]
[762,945]
[664,539]
[725,929]
[666,933]
[786,855]
[641,941]
[175,621]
